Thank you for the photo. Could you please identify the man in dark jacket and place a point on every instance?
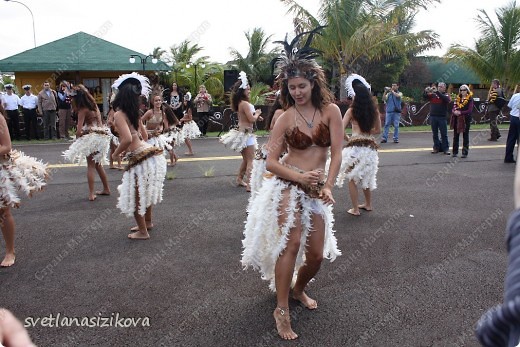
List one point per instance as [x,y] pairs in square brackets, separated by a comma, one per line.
[439,103]
[493,110]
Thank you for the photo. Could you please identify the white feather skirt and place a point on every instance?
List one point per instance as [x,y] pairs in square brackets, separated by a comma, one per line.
[96,142]
[190,130]
[20,173]
[161,141]
[147,178]
[237,140]
[258,171]
[264,240]
[176,137]
[359,164]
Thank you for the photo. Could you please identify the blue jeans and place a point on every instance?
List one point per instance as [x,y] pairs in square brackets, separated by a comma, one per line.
[392,118]
[439,123]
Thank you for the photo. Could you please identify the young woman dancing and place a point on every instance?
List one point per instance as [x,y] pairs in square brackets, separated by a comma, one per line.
[155,120]
[289,226]
[18,173]
[143,180]
[92,140]
[243,140]
[360,160]
[190,130]
[172,132]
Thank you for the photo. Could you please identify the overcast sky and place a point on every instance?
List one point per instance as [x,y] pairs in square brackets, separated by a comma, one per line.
[214,25]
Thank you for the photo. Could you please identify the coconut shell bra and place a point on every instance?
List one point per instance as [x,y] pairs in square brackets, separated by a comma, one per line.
[299,140]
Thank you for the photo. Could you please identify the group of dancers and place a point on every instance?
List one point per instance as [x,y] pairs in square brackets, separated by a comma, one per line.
[289,227]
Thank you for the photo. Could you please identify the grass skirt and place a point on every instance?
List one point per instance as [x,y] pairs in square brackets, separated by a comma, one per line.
[264,240]
[95,142]
[237,140]
[258,171]
[145,172]
[190,130]
[20,173]
[359,163]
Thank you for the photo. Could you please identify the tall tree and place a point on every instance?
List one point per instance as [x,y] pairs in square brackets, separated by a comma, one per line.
[496,53]
[360,33]
[256,64]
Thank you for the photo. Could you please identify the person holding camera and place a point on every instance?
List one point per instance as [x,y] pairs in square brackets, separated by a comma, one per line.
[392,98]
[439,102]
[461,120]
[203,102]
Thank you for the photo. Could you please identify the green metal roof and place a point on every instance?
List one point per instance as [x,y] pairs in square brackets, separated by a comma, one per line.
[450,71]
[78,52]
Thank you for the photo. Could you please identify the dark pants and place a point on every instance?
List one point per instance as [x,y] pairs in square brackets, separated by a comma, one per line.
[49,125]
[512,138]
[495,133]
[465,137]
[31,123]
[439,123]
[13,123]
[203,122]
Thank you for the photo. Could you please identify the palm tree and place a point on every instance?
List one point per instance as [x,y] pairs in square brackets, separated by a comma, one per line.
[256,64]
[362,32]
[496,53]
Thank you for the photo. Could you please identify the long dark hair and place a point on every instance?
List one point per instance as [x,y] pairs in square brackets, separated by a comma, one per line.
[237,94]
[170,116]
[276,106]
[127,101]
[83,99]
[363,107]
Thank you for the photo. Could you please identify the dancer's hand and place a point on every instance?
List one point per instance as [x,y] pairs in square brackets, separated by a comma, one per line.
[310,178]
[326,196]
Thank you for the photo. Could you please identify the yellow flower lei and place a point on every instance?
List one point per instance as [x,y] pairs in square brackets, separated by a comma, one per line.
[460,104]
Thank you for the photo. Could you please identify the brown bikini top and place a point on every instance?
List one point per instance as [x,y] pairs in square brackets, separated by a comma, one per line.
[299,140]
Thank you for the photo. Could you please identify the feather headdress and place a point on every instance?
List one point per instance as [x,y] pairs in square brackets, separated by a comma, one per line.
[348,84]
[141,83]
[243,77]
[297,61]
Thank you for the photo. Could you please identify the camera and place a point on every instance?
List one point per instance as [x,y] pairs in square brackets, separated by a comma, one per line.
[387,89]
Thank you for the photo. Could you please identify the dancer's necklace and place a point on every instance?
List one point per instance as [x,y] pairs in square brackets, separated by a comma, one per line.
[311,123]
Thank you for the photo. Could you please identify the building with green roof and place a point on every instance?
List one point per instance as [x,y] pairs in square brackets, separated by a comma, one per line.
[78,58]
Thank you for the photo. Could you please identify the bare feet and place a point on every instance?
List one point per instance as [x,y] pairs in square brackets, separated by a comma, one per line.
[112,167]
[92,197]
[8,260]
[139,236]
[149,226]
[248,188]
[283,323]
[365,207]
[188,153]
[103,192]
[311,304]
[354,212]
[241,183]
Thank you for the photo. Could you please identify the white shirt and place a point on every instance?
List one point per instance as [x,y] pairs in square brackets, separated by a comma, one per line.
[11,102]
[29,101]
[514,105]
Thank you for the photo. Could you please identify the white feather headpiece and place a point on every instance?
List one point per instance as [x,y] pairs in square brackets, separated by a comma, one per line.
[243,77]
[143,80]
[187,96]
[350,79]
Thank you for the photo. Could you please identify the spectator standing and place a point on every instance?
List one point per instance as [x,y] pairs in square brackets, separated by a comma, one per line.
[64,110]
[392,98]
[47,105]
[493,110]
[203,103]
[461,120]
[514,128]
[29,103]
[439,103]
[10,102]
[175,100]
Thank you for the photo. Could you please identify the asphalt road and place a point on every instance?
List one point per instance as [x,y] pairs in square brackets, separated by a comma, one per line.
[417,271]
